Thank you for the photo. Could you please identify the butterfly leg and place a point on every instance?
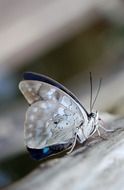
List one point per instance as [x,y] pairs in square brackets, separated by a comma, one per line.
[107,130]
[73,145]
[102,124]
[98,131]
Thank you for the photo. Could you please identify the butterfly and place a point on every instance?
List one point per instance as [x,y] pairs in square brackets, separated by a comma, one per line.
[55,119]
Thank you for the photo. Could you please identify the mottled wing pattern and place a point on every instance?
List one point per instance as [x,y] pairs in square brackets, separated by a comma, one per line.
[53,115]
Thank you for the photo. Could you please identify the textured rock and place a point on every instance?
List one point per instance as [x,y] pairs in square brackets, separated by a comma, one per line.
[98,163]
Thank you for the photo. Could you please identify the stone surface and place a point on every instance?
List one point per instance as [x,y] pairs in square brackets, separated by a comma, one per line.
[98,163]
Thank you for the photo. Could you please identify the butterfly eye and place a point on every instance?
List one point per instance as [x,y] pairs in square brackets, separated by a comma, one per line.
[93,115]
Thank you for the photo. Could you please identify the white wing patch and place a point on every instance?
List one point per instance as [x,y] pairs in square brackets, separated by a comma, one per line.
[52,117]
[30,90]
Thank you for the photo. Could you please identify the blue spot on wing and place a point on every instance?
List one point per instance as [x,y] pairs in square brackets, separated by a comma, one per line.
[39,154]
[43,78]
[46,150]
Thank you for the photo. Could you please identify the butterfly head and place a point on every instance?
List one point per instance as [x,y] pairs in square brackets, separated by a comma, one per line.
[94,117]
[85,130]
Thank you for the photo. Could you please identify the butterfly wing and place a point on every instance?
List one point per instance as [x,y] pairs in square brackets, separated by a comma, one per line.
[43,78]
[53,115]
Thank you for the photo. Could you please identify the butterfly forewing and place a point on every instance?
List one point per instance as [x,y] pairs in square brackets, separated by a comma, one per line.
[53,115]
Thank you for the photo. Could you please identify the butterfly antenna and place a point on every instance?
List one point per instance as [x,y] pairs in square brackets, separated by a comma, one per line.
[91,92]
[97,93]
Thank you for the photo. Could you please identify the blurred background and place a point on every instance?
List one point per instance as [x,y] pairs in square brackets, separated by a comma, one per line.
[65,40]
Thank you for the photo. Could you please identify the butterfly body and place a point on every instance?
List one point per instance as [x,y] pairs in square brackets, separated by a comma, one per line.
[55,117]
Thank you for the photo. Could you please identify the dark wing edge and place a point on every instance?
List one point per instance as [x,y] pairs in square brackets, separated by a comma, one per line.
[43,78]
[40,154]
